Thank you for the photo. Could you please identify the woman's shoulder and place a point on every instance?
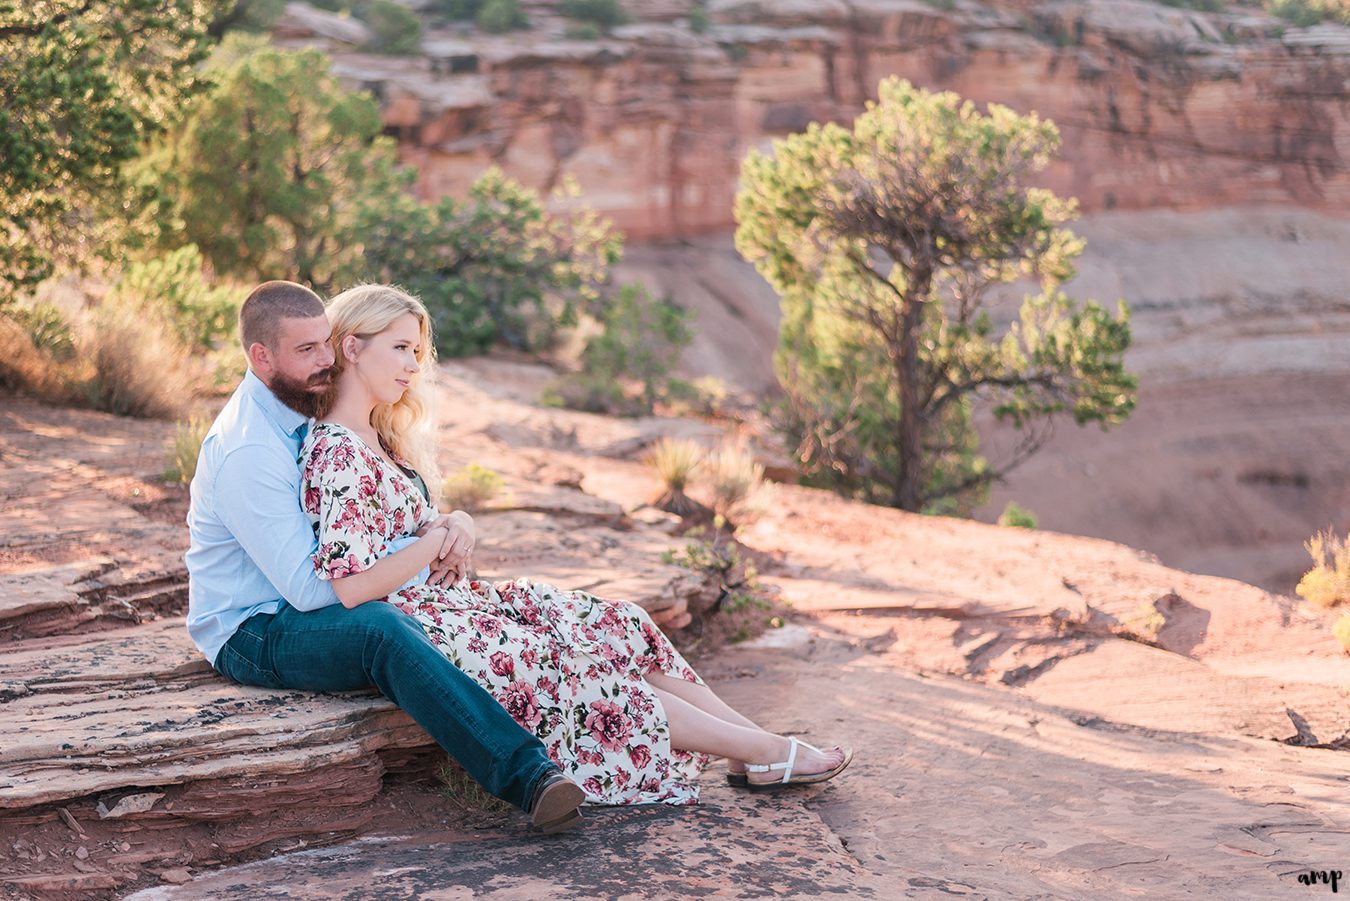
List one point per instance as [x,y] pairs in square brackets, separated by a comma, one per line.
[330,445]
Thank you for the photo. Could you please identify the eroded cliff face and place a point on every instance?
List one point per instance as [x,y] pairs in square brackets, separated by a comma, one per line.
[1157,106]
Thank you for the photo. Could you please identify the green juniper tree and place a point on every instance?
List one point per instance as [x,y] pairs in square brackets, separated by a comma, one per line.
[885,243]
[261,171]
[82,84]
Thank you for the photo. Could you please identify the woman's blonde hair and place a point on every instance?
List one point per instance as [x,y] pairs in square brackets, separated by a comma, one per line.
[408,427]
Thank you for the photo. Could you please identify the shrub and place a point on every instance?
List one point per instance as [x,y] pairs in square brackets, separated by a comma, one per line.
[737,594]
[699,21]
[1327,584]
[186,445]
[173,288]
[455,9]
[138,367]
[397,29]
[732,476]
[626,368]
[602,13]
[471,487]
[500,16]
[26,366]
[703,396]
[1303,13]
[1017,517]
[1342,631]
[494,267]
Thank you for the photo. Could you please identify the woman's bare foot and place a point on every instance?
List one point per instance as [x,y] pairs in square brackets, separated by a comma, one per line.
[800,765]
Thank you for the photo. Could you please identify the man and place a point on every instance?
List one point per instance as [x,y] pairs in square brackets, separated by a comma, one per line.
[261,616]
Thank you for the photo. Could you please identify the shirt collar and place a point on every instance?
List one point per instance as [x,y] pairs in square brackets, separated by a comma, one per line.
[287,419]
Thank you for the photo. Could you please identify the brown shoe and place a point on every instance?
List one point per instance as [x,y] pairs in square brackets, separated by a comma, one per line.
[556,799]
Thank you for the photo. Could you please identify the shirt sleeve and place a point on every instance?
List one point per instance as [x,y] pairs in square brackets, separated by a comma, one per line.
[343,502]
[260,506]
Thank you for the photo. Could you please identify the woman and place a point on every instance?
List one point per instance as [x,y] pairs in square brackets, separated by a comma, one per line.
[615,704]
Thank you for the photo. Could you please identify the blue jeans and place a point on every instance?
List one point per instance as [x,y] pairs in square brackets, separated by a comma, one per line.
[336,649]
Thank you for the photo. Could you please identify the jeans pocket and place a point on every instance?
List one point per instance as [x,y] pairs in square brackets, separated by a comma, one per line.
[239,667]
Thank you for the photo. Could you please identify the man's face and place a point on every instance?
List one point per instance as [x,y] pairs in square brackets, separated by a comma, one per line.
[300,368]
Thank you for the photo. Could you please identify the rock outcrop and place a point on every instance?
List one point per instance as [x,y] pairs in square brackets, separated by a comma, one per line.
[1158,106]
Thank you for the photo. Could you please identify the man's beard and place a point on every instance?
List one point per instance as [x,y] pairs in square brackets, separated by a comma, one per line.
[304,397]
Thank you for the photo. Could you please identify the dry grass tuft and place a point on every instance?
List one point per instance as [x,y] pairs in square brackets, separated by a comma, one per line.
[473,806]
[1327,584]
[675,461]
[187,444]
[1342,631]
[138,368]
[732,476]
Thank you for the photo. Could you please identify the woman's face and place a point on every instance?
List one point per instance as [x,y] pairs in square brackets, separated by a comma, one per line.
[387,362]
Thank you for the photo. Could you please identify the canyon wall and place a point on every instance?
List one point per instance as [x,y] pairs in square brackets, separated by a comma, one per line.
[1157,106]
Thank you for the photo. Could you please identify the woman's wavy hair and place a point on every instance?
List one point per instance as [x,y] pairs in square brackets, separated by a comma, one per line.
[408,427]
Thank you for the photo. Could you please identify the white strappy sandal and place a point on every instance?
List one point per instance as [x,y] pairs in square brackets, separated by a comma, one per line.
[790,778]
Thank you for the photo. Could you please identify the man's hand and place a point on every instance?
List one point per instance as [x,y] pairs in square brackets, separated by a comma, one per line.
[452,562]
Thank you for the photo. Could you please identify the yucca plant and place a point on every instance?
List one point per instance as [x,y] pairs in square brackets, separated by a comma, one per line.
[675,462]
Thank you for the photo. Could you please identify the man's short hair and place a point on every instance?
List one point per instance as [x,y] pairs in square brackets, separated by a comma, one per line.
[260,316]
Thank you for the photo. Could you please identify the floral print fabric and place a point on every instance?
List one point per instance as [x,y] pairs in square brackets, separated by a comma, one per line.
[568,666]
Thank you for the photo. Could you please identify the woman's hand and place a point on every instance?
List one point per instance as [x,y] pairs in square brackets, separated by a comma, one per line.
[452,561]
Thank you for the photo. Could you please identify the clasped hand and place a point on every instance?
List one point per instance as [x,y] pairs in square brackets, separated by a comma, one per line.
[456,533]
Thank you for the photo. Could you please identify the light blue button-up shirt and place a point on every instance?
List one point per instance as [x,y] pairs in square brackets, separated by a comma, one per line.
[250,540]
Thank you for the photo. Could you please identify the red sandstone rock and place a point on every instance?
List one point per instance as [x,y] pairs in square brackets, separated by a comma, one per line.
[1157,106]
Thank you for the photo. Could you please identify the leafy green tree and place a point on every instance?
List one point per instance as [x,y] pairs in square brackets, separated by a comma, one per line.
[82,84]
[496,266]
[887,245]
[261,172]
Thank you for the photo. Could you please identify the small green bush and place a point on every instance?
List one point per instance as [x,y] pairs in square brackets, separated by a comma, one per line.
[455,9]
[173,289]
[186,445]
[625,370]
[397,29]
[603,13]
[1017,517]
[1303,13]
[471,487]
[699,20]
[703,396]
[500,16]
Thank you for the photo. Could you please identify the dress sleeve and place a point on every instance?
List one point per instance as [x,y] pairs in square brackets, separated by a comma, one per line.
[343,503]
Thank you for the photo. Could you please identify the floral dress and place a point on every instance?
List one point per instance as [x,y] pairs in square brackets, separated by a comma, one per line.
[567,666]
